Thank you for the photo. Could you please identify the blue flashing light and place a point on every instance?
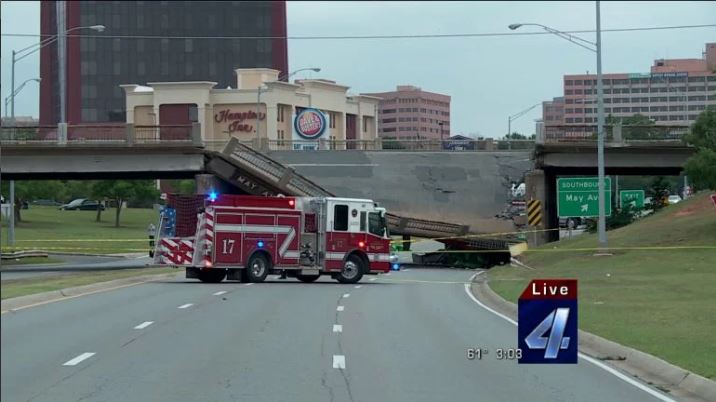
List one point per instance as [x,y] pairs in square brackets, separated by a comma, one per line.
[396,267]
[213,195]
[260,243]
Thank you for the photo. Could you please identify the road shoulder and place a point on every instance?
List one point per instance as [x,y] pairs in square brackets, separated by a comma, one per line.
[665,376]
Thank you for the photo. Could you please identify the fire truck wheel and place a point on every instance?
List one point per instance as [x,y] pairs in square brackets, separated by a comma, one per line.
[258,268]
[307,278]
[352,270]
[212,275]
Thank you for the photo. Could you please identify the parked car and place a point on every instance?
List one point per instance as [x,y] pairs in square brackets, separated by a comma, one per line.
[674,199]
[564,222]
[82,204]
[50,203]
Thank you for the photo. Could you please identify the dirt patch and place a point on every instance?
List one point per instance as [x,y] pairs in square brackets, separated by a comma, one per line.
[701,205]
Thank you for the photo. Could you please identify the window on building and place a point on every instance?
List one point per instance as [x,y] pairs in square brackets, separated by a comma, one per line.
[569,92]
[577,82]
[578,120]
[569,101]
[568,82]
[578,92]
[569,120]
[193,113]
[280,135]
[333,117]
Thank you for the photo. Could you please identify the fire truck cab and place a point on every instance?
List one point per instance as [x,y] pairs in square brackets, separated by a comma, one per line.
[246,238]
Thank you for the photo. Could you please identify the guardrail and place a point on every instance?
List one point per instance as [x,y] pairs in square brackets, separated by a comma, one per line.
[119,134]
[616,134]
[379,144]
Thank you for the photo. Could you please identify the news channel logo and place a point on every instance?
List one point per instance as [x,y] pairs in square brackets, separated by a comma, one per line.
[547,322]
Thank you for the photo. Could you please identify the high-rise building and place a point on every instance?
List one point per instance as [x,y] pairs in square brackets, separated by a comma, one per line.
[674,92]
[151,41]
[552,115]
[411,113]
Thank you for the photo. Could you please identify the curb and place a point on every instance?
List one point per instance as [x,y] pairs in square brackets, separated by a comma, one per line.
[665,376]
[23,302]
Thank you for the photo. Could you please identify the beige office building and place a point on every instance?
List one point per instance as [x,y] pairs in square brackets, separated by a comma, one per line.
[350,120]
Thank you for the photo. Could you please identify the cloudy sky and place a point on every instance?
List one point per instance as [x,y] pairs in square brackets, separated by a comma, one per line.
[488,78]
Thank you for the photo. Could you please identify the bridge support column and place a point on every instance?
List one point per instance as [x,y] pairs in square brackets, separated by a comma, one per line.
[540,185]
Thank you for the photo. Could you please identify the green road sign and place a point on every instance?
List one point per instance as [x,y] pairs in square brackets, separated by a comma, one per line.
[578,196]
[634,197]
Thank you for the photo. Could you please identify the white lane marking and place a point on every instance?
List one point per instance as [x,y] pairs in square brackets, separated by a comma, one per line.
[144,325]
[388,274]
[337,328]
[339,361]
[78,359]
[186,305]
[405,270]
[340,308]
[249,284]
[220,293]
[372,279]
[346,295]
[358,286]
[597,363]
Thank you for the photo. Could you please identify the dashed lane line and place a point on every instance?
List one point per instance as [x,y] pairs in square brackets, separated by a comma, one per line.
[144,325]
[84,356]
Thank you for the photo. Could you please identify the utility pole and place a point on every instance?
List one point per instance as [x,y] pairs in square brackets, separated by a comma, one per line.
[602,223]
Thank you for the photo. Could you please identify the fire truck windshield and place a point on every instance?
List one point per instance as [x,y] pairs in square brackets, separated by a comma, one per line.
[376,224]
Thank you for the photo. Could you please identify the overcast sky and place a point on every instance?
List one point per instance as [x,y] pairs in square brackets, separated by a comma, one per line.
[487,78]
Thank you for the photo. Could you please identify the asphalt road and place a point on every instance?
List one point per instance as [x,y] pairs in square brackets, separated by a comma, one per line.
[402,337]
[72,264]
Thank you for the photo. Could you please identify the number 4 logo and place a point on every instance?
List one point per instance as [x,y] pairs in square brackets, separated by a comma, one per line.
[555,323]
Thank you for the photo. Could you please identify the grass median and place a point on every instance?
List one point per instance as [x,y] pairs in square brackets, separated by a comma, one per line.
[27,286]
[659,300]
[50,229]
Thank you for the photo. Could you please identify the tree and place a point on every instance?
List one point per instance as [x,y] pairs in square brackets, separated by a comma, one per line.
[701,167]
[515,136]
[186,186]
[123,190]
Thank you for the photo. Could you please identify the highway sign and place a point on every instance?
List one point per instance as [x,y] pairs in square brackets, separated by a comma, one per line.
[534,212]
[577,196]
[633,197]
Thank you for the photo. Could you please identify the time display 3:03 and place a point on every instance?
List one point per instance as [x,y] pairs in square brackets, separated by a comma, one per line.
[500,353]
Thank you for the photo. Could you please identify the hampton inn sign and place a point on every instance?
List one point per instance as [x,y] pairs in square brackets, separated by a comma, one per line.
[238,121]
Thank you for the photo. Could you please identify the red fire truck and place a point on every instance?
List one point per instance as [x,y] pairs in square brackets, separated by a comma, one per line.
[246,238]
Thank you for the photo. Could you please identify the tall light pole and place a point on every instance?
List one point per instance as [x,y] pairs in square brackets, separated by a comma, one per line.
[258,95]
[516,116]
[18,55]
[595,47]
[17,91]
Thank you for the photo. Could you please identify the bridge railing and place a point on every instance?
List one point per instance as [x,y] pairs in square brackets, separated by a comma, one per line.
[117,134]
[628,134]
[380,145]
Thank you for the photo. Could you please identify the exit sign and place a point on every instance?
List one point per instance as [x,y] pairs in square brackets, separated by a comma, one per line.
[578,196]
[633,197]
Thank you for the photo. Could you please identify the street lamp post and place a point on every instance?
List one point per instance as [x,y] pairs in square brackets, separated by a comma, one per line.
[17,56]
[258,96]
[17,91]
[516,116]
[595,47]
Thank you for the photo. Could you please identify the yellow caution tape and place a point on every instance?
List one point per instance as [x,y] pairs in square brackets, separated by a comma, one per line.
[82,240]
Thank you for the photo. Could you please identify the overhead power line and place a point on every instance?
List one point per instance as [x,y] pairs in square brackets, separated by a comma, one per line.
[353,37]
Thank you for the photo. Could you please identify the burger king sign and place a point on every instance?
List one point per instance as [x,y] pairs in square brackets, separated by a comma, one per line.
[309,125]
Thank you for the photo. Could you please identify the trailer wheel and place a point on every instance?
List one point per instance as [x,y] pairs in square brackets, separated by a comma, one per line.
[214,275]
[352,270]
[307,278]
[258,268]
